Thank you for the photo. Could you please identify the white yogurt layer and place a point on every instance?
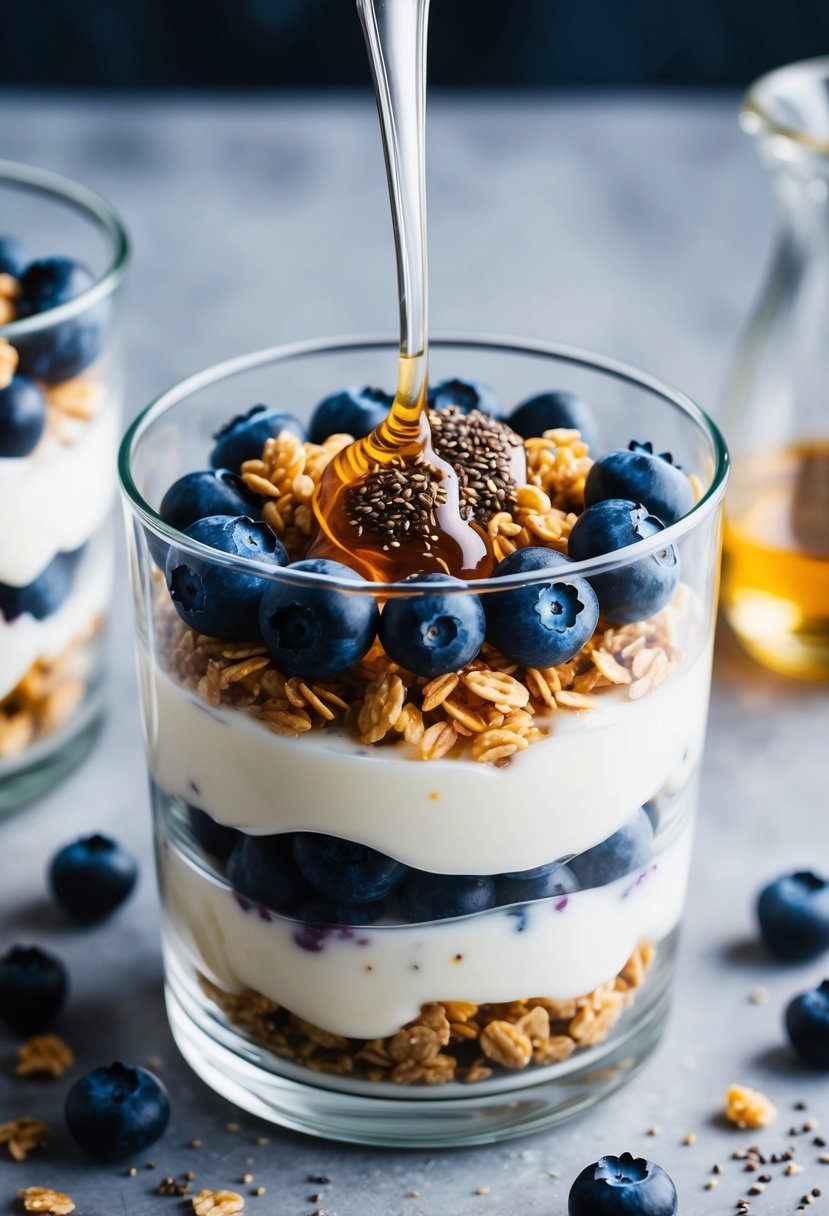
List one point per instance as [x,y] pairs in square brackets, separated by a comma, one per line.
[558,797]
[368,982]
[52,501]
[25,640]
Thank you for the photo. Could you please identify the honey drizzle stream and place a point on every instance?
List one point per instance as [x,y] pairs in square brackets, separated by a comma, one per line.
[395,33]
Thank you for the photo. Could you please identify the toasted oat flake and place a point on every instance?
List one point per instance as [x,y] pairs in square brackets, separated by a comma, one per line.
[42,1199]
[748,1107]
[609,668]
[506,1044]
[23,1136]
[575,700]
[217,1203]
[44,1055]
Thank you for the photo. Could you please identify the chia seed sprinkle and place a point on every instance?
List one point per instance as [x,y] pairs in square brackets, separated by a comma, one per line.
[482,452]
[396,502]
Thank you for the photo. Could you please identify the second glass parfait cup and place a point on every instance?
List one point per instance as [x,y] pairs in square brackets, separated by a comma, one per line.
[409,902]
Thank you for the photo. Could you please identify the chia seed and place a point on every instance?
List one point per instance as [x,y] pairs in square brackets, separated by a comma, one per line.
[482,451]
[396,502]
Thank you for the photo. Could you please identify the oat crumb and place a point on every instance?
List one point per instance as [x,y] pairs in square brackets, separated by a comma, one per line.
[45,1055]
[748,1107]
[691,1138]
[261,1140]
[232,1127]
[413,1194]
[260,1190]
[654,1130]
[759,995]
[711,1183]
[482,1190]
[42,1199]
[793,1168]
[195,1143]
[217,1203]
[23,1136]
[246,1179]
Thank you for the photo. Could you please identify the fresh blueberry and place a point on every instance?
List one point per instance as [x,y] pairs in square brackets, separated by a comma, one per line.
[541,624]
[213,599]
[793,912]
[543,882]
[625,851]
[215,838]
[262,868]
[59,351]
[197,495]
[426,897]
[432,634]
[44,595]
[638,474]
[91,877]
[465,395]
[32,988]
[323,911]
[22,417]
[807,1024]
[351,411]
[114,1113]
[344,870]
[313,631]
[640,588]
[553,411]
[623,1186]
[243,437]
[14,256]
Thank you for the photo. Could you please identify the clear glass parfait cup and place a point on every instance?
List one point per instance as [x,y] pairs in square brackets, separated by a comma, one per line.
[517,839]
[63,257]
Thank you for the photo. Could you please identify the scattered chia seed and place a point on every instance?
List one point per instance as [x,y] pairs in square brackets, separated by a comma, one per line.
[482,452]
[396,502]
[320,1179]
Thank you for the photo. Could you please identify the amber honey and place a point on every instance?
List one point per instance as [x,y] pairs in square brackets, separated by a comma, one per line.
[776,559]
[450,544]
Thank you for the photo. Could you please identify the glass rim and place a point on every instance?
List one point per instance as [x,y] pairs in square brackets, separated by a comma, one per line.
[756,117]
[73,194]
[506,344]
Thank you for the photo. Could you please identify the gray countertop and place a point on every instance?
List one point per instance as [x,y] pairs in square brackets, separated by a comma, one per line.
[634,224]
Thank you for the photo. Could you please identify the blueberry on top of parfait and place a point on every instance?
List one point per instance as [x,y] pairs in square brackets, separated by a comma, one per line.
[638,474]
[552,411]
[433,634]
[464,395]
[243,437]
[14,256]
[350,411]
[48,282]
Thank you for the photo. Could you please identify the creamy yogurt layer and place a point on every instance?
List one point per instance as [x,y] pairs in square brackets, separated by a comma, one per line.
[560,796]
[25,640]
[52,501]
[367,982]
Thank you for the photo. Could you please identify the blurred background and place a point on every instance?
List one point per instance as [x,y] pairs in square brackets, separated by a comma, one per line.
[136,44]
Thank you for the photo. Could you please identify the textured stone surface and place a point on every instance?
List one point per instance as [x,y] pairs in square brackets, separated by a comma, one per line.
[635,225]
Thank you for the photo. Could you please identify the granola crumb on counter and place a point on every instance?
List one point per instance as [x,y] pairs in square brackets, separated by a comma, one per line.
[44,1055]
[748,1107]
[43,1199]
[23,1136]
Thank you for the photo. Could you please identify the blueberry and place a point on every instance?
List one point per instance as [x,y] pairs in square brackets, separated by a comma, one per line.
[543,882]
[426,897]
[32,988]
[91,877]
[344,870]
[213,837]
[793,912]
[544,623]
[432,634]
[243,437]
[14,256]
[197,495]
[623,1186]
[313,631]
[351,411]
[44,595]
[22,417]
[213,599]
[637,474]
[640,588]
[627,850]
[114,1113]
[552,411]
[323,912]
[807,1024]
[262,868]
[59,352]
[465,395]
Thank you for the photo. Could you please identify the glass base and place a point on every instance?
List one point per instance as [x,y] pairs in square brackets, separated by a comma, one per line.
[48,761]
[258,1081]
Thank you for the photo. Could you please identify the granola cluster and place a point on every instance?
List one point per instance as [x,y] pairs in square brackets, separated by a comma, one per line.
[449,1040]
[47,696]
[69,405]
[23,1136]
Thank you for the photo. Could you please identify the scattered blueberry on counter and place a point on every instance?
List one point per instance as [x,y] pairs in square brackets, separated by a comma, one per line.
[635,591]
[793,913]
[33,987]
[114,1113]
[22,417]
[623,1186]
[350,411]
[542,624]
[91,877]
[314,631]
[638,474]
[807,1025]
[552,411]
[216,600]
[433,634]
[464,395]
[243,437]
